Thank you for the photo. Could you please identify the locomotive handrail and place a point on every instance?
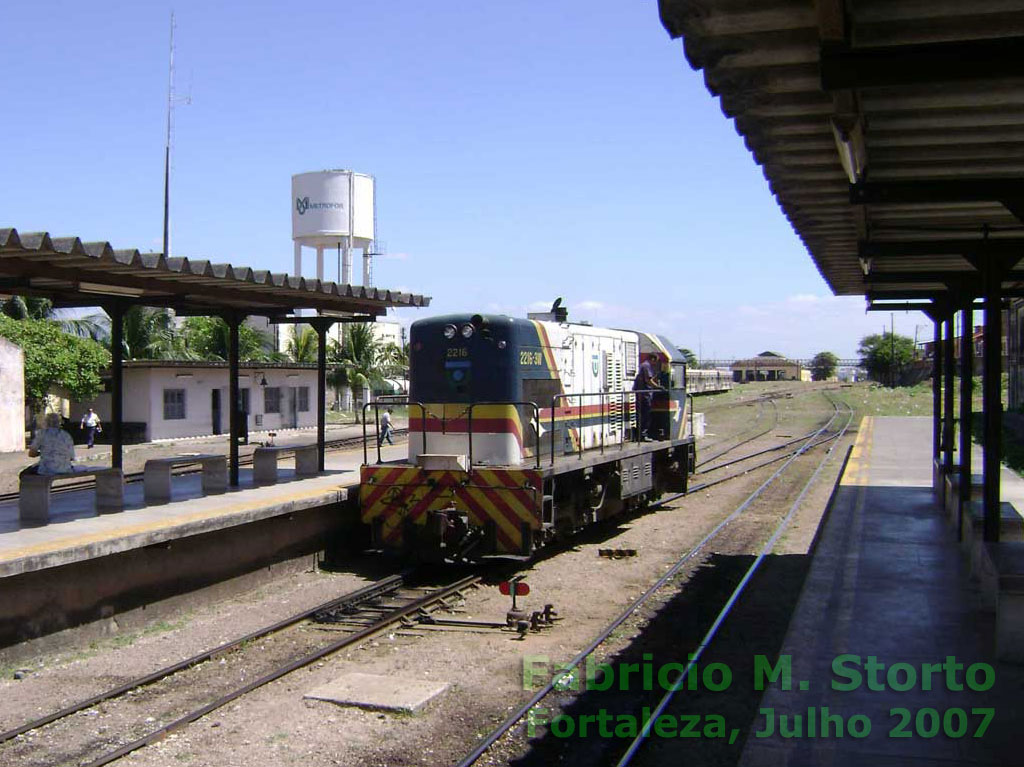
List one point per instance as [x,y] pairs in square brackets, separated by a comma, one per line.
[392,399]
[469,424]
[579,418]
[623,394]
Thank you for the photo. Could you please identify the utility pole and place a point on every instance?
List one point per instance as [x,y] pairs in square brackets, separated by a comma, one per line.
[172,100]
[892,346]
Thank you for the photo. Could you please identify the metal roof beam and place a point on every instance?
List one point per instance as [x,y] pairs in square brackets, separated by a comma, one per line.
[844,67]
[950,247]
[1008,191]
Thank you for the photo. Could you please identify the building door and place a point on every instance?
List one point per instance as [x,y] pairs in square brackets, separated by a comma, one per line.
[290,408]
[215,409]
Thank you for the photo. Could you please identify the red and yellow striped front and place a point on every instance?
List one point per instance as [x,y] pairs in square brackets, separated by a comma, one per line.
[397,495]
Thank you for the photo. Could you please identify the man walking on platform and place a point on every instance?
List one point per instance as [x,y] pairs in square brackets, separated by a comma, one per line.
[91,424]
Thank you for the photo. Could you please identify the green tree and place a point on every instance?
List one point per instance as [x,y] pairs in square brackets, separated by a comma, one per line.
[886,356]
[208,338]
[823,366]
[356,361]
[689,357]
[302,345]
[149,334]
[34,308]
[55,359]
[394,360]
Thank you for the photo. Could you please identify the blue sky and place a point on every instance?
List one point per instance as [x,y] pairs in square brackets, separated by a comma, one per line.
[523,150]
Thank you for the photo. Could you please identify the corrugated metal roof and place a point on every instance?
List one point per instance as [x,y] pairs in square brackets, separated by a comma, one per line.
[936,116]
[72,272]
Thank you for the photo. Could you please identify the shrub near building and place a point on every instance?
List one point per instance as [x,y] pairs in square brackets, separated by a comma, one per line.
[54,359]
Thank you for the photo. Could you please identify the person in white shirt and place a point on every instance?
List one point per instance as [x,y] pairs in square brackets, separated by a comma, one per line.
[385,428]
[54,448]
[91,424]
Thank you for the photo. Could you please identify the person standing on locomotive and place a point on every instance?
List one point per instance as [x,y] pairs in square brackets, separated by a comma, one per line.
[644,384]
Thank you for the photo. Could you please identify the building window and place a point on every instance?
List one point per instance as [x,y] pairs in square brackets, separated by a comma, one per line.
[243,400]
[174,404]
[303,396]
[272,399]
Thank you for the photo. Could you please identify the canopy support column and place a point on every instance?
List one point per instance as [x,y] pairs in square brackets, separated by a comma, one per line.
[234,412]
[949,373]
[966,415]
[992,405]
[115,310]
[937,389]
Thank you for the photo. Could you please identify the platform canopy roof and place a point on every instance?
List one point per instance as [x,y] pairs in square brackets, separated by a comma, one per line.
[76,273]
[891,132]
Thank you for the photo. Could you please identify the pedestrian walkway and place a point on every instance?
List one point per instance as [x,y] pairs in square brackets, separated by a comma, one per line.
[889,585]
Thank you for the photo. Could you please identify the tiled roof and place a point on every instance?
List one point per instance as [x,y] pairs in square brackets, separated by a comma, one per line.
[74,272]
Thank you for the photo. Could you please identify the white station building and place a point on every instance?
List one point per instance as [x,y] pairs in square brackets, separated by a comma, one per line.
[172,399]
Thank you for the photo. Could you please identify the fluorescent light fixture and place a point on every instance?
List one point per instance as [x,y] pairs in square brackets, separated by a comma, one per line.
[850,144]
[109,290]
[183,375]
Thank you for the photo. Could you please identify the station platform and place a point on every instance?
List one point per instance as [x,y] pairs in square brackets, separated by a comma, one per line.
[81,567]
[76,533]
[888,580]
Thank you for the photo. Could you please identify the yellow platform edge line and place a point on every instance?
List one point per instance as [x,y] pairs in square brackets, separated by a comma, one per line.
[856,472]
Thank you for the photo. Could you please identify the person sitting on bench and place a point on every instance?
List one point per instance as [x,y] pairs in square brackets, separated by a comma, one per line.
[54,448]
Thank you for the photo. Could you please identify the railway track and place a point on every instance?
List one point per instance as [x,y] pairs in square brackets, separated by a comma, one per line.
[138,703]
[557,683]
[353,627]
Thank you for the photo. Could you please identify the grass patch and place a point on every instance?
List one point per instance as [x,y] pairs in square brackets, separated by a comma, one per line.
[876,400]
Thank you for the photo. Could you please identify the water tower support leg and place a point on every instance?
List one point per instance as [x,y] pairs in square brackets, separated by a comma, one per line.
[298,259]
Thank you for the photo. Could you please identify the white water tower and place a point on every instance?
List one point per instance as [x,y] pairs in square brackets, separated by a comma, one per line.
[333,209]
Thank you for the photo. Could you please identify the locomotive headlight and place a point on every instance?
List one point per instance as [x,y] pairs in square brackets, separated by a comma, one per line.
[450,331]
[467,331]
[502,344]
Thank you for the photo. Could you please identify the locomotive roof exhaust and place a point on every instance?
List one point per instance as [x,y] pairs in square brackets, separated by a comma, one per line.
[557,313]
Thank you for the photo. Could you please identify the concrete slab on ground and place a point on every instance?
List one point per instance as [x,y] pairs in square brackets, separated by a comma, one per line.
[379,693]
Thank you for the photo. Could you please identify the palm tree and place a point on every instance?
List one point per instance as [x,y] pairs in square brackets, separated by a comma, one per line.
[688,357]
[394,360]
[357,361]
[208,338]
[35,308]
[302,346]
[149,334]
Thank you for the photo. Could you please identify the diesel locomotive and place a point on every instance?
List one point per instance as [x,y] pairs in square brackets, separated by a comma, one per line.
[521,430]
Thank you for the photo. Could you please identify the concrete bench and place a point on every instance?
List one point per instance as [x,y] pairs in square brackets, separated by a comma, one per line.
[156,475]
[34,494]
[952,495]
[264,462]
[1002,585]
[1011,529]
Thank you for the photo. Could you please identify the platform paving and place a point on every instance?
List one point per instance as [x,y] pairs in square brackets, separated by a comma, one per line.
[888,580]
[76,533]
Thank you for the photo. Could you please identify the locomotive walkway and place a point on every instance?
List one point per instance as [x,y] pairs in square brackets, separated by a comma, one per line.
[888,580]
